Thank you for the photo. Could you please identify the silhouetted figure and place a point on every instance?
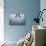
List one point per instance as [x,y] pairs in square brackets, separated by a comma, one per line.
[17,15]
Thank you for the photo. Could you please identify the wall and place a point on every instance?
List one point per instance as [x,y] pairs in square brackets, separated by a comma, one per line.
[1,20]
[14,33]
[43,6]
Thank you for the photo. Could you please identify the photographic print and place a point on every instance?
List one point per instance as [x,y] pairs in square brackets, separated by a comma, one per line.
[17,19]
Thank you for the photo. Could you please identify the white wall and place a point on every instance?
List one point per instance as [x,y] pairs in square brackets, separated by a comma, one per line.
[1,21]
